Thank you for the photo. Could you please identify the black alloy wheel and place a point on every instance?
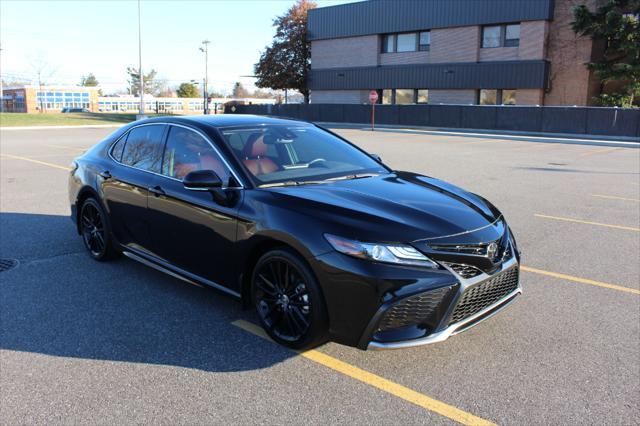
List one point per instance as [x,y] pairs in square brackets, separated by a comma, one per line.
[95,230]
[288,300]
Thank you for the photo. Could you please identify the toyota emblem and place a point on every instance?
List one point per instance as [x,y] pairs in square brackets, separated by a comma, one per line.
[492,250]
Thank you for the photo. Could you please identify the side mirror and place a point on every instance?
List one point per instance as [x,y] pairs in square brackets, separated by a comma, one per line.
[376,157]
[202,180]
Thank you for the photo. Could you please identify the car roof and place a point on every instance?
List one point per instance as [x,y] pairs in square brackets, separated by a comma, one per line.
[226,120]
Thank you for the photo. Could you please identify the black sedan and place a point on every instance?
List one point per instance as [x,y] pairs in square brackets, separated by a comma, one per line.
[323,239]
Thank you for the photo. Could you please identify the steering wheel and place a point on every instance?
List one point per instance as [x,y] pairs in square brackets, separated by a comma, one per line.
[317,161]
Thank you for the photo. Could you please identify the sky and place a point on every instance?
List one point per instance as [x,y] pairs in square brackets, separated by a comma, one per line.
[74,38]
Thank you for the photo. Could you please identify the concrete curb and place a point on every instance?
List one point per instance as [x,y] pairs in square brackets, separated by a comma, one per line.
[81,126]
[563,138]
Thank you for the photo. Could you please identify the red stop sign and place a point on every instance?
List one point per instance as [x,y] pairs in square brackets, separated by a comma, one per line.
[373,96]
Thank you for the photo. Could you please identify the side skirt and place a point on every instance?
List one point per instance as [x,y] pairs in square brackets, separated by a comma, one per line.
[179,273]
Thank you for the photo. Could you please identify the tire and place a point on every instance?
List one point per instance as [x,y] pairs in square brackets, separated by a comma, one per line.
[96,231]
[288,300]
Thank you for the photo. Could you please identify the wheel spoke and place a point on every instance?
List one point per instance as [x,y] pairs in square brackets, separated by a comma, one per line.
[273,290]
[100,241]
[285,285]
[300,317]
[86,222]
[291,325]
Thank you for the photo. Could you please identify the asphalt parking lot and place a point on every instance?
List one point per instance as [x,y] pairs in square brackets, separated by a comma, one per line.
[88,342]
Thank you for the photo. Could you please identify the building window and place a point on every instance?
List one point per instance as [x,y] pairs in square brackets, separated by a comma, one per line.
[508,96]
[512,35]
[406,42]
[497,97]
[424,43]
[389,43]
[488,97]
[501,36]
[387,97]
[423,96]
[491,36]
[405,96]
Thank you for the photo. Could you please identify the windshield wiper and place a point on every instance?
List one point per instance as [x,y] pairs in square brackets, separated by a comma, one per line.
[310,182]
[291,183]
[354,176]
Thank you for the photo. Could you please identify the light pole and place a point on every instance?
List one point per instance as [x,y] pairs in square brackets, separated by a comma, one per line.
[141,80]
[205,93]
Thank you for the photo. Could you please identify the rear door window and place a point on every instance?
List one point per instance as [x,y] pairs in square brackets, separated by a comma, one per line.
[143,149]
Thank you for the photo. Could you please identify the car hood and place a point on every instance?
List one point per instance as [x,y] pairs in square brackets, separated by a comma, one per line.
[397,207]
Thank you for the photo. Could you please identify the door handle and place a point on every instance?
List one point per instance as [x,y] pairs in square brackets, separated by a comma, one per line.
[156,190]
[105,175]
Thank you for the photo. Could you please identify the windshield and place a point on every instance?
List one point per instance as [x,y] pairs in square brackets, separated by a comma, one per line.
[297,154]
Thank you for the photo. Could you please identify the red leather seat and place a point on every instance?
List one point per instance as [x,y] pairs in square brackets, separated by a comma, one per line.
[254,156]
[207,162]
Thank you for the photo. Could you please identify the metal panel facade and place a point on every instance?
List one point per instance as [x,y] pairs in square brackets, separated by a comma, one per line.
[486,75]
[388,16]
[579,120]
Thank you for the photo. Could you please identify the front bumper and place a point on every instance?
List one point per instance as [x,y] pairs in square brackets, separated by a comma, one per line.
[451,323]
[453,329]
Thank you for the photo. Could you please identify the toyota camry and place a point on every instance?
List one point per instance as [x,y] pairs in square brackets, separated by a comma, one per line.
[322,239]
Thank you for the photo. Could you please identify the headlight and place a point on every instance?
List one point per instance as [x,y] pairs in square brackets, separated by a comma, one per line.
[400,254]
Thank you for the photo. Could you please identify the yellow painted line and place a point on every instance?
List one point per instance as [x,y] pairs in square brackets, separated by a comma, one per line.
[44,163]
[600,151]
[586,222]
[613,197]
[378,382]
[580,280]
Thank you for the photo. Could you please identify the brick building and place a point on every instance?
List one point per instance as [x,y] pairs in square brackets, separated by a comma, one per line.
[52,99]
[488,52]
[32,98]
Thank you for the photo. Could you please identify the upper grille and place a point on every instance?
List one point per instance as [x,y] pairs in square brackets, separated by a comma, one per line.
[465,271]
[486,293]
[493,250]
[478,249]
[413,310]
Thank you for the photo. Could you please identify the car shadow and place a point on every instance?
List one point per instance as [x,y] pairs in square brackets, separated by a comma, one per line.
[60,302]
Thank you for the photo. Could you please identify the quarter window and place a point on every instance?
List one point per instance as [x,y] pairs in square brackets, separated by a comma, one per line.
[143,148]
[187,151]
[116,151]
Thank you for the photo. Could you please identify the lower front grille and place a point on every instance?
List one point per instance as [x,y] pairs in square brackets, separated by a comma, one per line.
[465,271]
[413,310]
[482,295]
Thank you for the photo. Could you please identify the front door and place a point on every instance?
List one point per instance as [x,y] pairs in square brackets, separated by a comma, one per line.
[190,229]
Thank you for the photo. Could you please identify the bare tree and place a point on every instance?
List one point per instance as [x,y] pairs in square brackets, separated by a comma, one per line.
[43,71]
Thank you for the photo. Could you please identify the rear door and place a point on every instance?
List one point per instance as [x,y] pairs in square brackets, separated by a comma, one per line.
[190,229]
[125,185]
